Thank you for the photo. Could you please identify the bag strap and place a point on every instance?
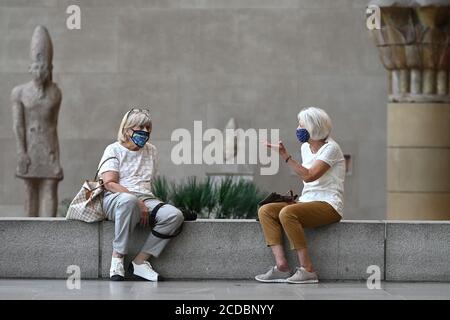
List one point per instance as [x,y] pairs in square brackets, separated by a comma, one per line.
[156,233]
[166,236]
[155,210]
[291,193]
[96,174]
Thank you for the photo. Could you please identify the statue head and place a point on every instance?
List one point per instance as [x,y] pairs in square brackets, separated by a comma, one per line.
[41,54]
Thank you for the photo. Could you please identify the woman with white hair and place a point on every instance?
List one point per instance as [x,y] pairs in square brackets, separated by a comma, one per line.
[322,171]
[127,169]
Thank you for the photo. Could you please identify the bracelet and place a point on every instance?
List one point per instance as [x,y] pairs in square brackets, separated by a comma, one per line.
[288,158]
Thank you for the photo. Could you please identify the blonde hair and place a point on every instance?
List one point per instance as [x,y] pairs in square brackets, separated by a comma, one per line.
[131,119]
[316,121]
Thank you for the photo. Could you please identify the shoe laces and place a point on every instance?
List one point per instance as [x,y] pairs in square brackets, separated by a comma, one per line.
[147,264]
[117,265]
[301,269]
[273,269]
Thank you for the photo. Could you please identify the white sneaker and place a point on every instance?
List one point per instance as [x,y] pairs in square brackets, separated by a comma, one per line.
[273,275]
[303,276]
[145,271]
[117,271]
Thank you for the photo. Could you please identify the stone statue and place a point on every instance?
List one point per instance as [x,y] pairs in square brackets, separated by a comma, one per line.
[35,109]
[231,141]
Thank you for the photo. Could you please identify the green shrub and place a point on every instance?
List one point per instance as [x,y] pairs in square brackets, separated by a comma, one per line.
[238,200]
[188,195]
[225,199]
[161,188]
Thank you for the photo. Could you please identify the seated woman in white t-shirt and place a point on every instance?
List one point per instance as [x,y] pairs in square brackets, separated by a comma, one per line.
[127,169]
[322,172]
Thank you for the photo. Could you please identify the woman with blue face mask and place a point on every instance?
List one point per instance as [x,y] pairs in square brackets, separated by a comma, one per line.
[322,171]
[129,165]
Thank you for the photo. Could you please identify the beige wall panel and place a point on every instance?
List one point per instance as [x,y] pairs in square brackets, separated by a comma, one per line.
[418,169]
[418,206]
[418,125]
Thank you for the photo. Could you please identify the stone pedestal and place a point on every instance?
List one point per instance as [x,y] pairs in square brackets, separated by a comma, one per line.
[418,161]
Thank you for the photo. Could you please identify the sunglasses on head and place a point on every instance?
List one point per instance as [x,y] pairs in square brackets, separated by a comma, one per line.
[136,110]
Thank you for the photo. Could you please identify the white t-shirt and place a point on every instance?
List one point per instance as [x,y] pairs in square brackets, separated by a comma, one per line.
[136,168]
[330,186]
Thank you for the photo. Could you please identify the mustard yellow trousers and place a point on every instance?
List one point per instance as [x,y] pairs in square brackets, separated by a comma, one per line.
[292,218]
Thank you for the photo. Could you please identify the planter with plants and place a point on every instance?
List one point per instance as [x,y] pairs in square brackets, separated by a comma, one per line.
[226,199]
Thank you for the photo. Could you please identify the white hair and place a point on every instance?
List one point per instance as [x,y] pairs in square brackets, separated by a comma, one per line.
[131,119]
[316,121]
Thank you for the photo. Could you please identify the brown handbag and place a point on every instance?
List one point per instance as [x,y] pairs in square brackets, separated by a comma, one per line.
[276,197]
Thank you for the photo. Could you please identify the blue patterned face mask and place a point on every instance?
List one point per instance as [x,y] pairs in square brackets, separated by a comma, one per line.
[140,137]
[302,135]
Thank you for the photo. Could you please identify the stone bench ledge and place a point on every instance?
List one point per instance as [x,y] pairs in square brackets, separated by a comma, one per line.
[229,249]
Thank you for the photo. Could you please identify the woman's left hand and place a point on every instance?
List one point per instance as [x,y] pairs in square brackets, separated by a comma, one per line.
[144,213]
[279,147]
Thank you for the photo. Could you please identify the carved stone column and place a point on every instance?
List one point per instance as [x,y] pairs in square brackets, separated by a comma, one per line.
[414,46]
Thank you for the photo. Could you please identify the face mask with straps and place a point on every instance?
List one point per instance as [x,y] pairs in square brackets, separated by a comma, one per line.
[139,137]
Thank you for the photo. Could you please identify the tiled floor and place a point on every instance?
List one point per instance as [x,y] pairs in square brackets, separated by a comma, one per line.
[220,290]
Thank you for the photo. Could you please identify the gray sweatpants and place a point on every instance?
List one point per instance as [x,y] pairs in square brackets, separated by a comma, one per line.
[123,209]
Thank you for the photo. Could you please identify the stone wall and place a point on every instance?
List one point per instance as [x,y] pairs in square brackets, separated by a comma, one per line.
[256,61]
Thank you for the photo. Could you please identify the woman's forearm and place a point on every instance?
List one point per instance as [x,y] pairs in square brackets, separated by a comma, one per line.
[300,170]
[115,187]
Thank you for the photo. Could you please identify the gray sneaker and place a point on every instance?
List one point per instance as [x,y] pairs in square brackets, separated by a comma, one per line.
[303,276]
[273,275]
